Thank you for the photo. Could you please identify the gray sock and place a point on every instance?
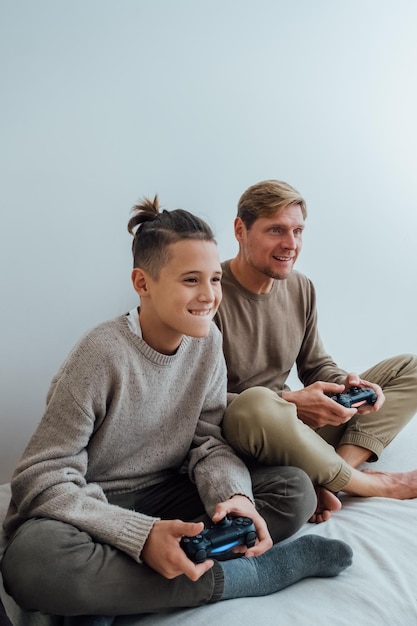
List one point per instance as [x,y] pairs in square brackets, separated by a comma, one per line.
[284,565]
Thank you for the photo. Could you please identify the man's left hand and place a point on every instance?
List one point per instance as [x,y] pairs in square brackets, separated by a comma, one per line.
[354,380]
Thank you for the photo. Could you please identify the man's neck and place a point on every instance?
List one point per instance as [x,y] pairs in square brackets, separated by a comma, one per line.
[250,278]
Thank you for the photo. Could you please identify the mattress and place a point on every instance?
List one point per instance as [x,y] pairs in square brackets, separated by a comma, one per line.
[379,588]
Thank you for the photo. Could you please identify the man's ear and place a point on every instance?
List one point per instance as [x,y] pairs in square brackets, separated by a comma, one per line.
[239,228]
[140,281]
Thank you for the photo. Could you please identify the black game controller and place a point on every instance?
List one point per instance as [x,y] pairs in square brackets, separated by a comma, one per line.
[355,397]
[217,540]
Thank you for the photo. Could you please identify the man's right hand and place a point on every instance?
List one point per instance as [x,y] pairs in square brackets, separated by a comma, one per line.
[314,406]
[162,550]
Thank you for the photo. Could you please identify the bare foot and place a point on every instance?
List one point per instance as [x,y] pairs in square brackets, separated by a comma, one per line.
[396,485]
[327,503]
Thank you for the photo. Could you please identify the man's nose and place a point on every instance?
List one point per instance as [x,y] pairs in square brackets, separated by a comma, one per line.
[290,242]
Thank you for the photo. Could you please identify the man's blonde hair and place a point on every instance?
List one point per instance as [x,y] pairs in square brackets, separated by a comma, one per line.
[265,199]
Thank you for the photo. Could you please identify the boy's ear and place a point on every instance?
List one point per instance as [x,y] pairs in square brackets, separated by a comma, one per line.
[139,281]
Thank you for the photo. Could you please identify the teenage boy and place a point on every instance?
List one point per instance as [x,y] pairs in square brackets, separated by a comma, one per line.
[129,457]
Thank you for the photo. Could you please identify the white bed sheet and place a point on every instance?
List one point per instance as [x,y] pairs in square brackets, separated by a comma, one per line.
[379,588]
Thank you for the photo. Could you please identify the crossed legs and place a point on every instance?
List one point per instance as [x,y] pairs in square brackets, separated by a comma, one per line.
[261,425]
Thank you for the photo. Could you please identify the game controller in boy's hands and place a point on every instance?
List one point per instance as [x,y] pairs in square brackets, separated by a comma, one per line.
[356,397]
[218,540]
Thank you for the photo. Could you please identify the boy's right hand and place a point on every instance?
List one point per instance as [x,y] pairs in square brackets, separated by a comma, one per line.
[162,550]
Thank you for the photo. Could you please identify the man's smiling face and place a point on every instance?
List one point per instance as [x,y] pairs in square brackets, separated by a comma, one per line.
[272,245]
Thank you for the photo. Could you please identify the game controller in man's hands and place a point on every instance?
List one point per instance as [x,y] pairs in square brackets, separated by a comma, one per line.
[219,539]
[356,397]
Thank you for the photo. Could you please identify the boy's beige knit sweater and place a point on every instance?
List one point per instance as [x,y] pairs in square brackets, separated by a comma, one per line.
[120,417]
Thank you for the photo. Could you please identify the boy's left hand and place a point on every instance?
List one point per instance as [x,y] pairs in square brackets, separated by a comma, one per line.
[241,506]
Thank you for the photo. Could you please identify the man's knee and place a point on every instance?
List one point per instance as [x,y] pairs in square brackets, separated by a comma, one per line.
[261,425]
[411,360]
[404,365]
[256,408]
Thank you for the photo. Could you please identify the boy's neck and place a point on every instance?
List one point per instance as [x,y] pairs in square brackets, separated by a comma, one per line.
[160,341]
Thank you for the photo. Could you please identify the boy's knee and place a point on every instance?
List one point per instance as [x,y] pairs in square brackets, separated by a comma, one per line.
[21,566]
[285,479]
[305,497]
[35,573]
[25,563]
[286,498]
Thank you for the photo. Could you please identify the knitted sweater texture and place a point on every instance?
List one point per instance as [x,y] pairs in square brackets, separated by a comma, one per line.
[119,417]
[264,335]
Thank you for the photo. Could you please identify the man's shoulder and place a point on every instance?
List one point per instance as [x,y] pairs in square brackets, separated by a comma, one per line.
[298,278]
[226,269]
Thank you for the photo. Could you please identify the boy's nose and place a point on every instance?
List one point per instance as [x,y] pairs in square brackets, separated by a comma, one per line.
[207,294]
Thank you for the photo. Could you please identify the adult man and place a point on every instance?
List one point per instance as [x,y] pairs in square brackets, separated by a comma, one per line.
[269,323]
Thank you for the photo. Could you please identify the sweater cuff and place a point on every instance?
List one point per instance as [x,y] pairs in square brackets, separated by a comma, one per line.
[245,495]
[134,535]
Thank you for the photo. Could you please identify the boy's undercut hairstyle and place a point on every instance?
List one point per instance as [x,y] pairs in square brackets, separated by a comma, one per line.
[264,199]
[154,230]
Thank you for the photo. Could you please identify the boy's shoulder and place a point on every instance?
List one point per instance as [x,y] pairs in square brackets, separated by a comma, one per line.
[102,339]
[106,330]
[212,339]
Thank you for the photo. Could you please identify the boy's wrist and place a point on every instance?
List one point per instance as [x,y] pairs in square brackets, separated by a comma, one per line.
[244,495]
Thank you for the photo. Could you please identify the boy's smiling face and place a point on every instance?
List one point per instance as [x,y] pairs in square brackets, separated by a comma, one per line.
[184,298]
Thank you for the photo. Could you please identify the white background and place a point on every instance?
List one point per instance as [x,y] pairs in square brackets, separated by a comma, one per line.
[103,102]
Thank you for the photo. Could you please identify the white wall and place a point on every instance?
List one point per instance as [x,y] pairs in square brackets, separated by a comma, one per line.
[103,102]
